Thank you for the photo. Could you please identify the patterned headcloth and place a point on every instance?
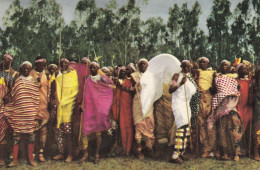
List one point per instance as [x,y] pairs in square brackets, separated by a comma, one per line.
[203,58]
[9,56]
[65,60]
[26,62]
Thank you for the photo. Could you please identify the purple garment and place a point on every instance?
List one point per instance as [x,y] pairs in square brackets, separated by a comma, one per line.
[97,105]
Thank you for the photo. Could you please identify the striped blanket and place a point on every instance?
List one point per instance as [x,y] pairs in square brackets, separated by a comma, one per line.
[22,110]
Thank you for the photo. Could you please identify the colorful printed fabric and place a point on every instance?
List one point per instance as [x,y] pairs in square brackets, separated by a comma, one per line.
[164,120]
[181,139]
[194,102]
[226,86]
[65,128]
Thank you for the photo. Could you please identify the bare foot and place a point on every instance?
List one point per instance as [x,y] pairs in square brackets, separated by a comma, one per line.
[69,159]
[236,158]
[58,157]
[13,163]
[257,158]
[205,155]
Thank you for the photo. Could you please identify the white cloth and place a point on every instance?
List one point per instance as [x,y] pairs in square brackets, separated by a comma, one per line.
[160,70]
[180,102]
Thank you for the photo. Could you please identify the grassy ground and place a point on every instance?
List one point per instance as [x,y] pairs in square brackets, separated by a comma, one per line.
[133,163]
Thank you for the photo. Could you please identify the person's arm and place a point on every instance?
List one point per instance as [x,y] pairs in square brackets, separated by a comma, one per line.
[213,88]
[174,86]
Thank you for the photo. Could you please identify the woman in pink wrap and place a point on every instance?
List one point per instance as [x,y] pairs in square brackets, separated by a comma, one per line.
[97,104]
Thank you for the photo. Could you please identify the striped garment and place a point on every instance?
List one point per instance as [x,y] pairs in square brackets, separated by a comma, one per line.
[21,111]
[5,79]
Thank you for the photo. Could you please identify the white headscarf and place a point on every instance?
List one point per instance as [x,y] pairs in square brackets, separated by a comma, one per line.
[26,62]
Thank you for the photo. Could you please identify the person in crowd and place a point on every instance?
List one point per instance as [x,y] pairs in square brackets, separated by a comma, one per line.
[7,66]
[224,119]
[244,106]
[164,119]
[96,107]
[6,83]
[22,111]
[106,71]
[66,95]
[182,90]
[115,112]
[204,80]
[85,60]
[144,124]
[126,114]
[256,132]
[42,115]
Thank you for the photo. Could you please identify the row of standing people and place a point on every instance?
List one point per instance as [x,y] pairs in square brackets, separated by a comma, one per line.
[25,98]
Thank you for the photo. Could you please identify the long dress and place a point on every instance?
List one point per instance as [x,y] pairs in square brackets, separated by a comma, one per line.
[244,108]
[205,83]
[224,113]
[144,125]
[126,117]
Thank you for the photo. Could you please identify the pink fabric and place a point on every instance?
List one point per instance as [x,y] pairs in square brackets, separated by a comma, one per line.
[226,86]
[82,72]
[97,104]
[225,100]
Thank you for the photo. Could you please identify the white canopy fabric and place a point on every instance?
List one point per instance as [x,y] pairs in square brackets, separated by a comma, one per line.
[160,70]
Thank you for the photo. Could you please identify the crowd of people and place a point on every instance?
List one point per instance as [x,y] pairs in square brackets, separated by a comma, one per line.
[211,113]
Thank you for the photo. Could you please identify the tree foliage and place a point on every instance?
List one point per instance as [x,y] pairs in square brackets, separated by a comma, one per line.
[116,35]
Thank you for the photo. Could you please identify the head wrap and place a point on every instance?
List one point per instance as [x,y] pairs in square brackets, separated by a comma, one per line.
[54,65]
[94,63]
[105,68]
[65,60]
[132,66]
[143,59]
[42,60]
[120,68]
[185,61]
[26,62]
[9,56]
[85,59]
[225,61]
[203,58]
[238,66]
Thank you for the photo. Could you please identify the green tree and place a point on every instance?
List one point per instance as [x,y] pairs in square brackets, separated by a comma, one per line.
[217,23]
